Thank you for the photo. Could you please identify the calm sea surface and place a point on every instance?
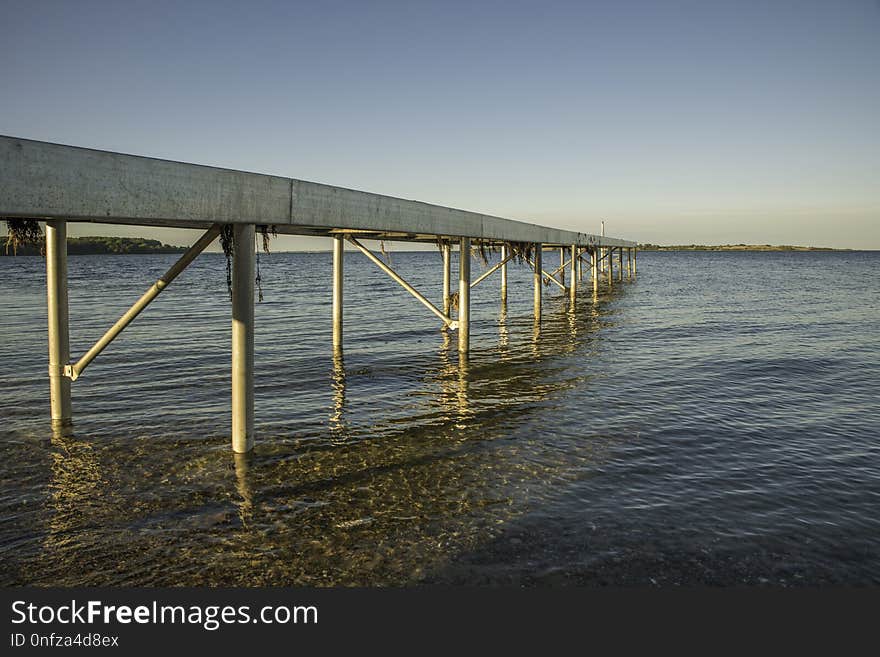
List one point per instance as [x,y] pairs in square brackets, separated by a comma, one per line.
[715,421]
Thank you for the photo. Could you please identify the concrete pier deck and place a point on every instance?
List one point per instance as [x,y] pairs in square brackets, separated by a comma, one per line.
[51,181]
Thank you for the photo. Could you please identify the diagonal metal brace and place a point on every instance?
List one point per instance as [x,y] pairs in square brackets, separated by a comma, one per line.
[561,267]
[74,370]
[552,278]
[451,323]
[495,268]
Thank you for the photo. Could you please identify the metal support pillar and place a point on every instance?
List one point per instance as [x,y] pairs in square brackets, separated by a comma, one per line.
[620,263]
[594,268]
[561,269]
[59,337]
[635,253]
[338,252]
[574,279]
[464,296]
[550,277]
[243,338]
[447,266]
[610,258]
[504,249]
[538,282]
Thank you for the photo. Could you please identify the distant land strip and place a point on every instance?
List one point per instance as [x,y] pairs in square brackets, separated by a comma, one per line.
[129,245]
[734,247]
[101,245]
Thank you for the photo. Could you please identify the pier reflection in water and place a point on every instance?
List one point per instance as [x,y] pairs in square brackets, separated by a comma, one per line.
[696,426]
[378,496]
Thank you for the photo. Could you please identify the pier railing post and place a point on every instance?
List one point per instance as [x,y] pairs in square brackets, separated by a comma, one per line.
[243,338]
[59,335]
[447,266]
[538,280]
[574,278]
[464,296]
[504,274]
[338,254]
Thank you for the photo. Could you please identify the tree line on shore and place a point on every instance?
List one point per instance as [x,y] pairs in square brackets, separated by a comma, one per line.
[103,245]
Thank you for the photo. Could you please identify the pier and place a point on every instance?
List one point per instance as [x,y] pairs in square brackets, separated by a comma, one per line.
[60,184]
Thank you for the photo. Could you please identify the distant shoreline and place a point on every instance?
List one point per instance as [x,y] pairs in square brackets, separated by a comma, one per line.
[140,245]
[736,247]
[101,246]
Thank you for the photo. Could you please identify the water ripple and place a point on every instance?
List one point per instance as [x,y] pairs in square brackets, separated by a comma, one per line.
[698,425]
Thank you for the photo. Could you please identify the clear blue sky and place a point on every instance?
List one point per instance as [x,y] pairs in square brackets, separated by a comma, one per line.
[701,121]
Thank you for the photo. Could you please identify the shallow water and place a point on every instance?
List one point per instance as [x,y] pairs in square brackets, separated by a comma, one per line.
[714,421]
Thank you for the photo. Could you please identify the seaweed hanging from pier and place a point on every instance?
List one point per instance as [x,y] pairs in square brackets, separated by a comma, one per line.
[21,232]
[386,253]
[227,242]
[483,249]
[258,280]
[265,232]
[522,252]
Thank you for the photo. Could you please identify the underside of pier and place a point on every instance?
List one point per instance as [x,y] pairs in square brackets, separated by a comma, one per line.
[60,184]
